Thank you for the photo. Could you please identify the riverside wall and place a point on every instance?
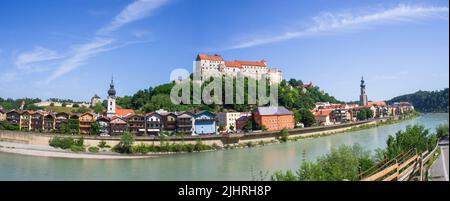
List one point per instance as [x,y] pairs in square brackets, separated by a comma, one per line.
[221,140]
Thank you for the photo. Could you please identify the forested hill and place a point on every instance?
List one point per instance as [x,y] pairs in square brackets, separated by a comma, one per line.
[426,101]
[293,94]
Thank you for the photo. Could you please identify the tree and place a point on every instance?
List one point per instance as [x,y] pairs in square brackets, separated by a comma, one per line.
[98,108]
[221,128]
[74,126]
[249,126]
[126,142]
[426,101]
[362,115]
[343,163]
[414,137]
[82,110]
[284,134]
[442,131]
[231,127]
[76,105]
[95,128]
[305,116]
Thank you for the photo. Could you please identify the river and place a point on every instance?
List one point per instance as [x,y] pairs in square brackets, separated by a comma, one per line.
[237,164]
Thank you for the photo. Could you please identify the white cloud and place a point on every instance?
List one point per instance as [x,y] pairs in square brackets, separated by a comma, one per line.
[9,77]
[80,55]
[134,11]
[39,54]
[328,22]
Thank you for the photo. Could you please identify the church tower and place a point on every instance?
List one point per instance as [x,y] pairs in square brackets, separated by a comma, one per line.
[363,96]
[111,100]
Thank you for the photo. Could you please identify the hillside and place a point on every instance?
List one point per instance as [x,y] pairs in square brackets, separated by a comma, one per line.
[292,94]
[426,101]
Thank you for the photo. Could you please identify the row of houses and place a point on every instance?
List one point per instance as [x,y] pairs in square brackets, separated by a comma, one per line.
[327,114]
[153,123]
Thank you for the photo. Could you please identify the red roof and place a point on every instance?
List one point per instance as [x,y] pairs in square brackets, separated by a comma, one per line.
[233,64]
[209,57]
[379,103]
[325,112]
[122,112]
[261,63]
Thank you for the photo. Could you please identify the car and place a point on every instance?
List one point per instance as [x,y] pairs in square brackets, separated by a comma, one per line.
[104,135]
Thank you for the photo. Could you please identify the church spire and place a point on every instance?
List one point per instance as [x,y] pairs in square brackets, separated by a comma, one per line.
[112,91]
[363,97]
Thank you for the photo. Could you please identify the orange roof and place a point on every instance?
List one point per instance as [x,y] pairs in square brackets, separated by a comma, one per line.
[379,103]
[261,63]
[325,112]
[232,64]
[209,57]
[122,112]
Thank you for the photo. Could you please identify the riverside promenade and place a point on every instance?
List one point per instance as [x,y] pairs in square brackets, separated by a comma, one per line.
[220,140]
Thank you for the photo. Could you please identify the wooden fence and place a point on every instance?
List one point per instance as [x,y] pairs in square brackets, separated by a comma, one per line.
[402,168]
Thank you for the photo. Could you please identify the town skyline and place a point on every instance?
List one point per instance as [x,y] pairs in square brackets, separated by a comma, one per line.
[377,40]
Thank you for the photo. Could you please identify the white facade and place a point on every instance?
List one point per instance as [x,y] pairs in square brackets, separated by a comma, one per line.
[228,119]
[207,66]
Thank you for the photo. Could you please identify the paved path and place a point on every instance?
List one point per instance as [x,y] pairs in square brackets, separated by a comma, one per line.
[439,170]
[48,151]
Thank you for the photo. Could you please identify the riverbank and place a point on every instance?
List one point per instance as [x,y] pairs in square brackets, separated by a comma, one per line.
[16,144]
[47,151]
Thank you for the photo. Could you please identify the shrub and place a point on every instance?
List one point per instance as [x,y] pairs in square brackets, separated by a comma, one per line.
[93,149]
[61,142]
[342,163]
[76,148]
[442,131]
[283,136]
[249,144]
[125,144]
[102,144]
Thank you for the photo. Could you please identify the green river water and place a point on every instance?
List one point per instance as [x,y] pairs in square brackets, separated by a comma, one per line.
[237,164]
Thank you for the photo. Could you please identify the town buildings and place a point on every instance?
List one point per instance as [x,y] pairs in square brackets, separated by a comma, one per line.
[154,123]
[326,113]
[86,121]
[228,119]
[274,118]
[2,115]
[214,65]
[95,100]
[117,125]
[205,123]
[185,123]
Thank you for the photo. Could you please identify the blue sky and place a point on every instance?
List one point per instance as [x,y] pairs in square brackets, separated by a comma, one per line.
[70,49]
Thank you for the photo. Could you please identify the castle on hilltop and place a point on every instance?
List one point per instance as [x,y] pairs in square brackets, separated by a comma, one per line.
[214,65]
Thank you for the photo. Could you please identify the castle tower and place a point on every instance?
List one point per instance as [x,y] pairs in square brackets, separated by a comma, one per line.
[111,111]
[363,96]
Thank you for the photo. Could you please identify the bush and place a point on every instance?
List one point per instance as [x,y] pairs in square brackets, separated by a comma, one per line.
[343,163]
[125,144]
[442,131]
[7,126]
[76,148]
[61,142]
[93,149]
[414,137]
[102,144]
[284,135]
